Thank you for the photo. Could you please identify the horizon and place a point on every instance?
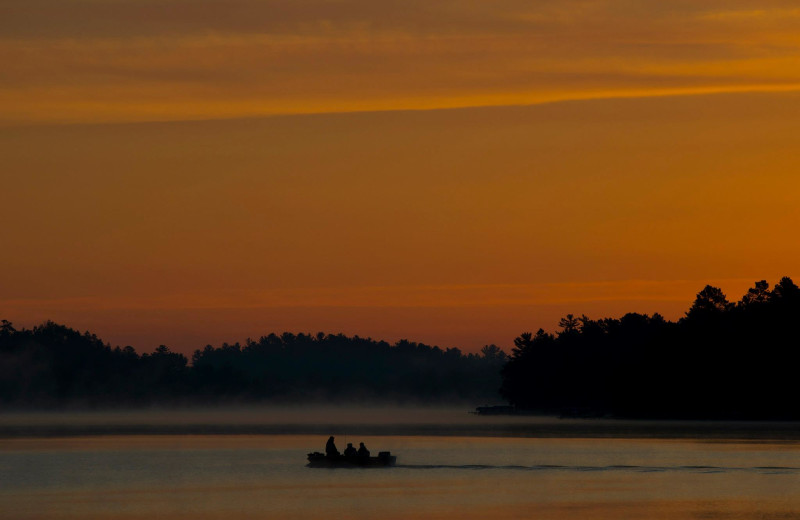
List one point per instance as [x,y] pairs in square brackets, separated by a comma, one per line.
[189,349]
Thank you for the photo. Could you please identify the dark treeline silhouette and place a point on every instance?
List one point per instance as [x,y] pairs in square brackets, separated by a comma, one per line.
[53,366]
[722,360]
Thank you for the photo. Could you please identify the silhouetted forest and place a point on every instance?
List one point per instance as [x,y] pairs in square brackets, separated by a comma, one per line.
[53,366]
[723,360]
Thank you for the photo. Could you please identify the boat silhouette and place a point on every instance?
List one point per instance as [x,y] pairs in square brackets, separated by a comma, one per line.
[320,460]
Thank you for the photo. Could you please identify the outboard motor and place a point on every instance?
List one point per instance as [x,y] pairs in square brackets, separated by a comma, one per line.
[386,458]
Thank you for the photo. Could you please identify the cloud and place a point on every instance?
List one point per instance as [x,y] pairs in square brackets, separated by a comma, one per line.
[133,60]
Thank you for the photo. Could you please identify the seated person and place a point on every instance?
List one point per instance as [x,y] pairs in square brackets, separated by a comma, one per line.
[350,451]
[330,448]
[363,451]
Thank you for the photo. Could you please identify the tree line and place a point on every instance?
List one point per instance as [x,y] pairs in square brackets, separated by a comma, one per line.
[51,366]
[722,360]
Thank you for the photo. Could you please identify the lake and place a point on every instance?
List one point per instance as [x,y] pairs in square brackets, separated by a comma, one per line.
[167,465]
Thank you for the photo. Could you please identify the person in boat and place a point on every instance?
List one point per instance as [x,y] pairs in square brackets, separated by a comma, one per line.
[350,451]
[363,451]
[330,448]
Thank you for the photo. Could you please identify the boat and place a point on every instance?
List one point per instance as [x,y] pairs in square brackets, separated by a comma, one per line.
[320,460]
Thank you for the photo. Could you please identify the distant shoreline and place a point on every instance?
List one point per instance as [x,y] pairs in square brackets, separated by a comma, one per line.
[344,421]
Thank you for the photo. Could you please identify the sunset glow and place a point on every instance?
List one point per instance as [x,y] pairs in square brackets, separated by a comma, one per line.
[454,172]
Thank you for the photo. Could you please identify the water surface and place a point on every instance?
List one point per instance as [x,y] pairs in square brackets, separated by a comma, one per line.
[438,476]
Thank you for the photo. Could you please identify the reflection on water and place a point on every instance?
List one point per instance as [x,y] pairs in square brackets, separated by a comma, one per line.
[264,476]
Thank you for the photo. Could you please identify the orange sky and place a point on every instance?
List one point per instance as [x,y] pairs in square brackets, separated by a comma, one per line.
[452,172]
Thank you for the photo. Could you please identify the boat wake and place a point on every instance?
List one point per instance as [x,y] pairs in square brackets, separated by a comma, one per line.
[622,468]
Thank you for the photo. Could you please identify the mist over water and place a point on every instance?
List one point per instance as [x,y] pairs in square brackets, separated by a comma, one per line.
[371,420]
[272,414]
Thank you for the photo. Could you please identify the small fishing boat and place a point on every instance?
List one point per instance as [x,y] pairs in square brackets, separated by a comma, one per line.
[320,460]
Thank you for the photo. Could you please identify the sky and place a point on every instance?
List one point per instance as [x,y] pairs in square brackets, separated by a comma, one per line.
[455,172]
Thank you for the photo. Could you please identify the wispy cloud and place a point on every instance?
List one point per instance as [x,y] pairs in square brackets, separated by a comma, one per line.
[143,60]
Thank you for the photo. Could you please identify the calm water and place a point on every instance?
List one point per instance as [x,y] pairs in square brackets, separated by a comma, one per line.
[438,476]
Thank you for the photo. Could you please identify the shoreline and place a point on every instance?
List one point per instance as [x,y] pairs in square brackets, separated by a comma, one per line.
[446,422]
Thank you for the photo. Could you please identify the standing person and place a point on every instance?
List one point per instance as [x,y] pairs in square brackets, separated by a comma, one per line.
[330,448]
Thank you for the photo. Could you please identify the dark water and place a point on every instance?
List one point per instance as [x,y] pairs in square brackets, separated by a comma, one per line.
[446,475]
